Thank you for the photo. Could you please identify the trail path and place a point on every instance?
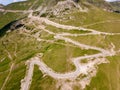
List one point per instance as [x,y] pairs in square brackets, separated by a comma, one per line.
[84,69]
[68,27]
[8,76]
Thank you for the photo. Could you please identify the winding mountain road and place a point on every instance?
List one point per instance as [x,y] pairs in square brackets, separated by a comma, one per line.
[80,68]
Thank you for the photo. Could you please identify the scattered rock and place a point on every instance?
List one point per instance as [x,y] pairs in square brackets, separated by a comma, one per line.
[16,25]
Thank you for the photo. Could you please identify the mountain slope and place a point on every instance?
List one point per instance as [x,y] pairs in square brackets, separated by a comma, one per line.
[60,45]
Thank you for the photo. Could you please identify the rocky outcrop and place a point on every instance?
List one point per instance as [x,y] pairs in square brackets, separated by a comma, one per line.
[16,25]
[62,6]
[10,27]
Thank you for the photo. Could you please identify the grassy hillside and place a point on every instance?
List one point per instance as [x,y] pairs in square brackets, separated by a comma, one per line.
[25,5]
[21,44]
[42,82]
[94,18]
[9,17]
[12,47]
[108,77]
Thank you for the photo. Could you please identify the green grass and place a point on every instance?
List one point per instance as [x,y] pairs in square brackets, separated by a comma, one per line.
[101,41]
[6,18]
[113,26]
[108,76]
[4,65]
[4,70]
[84,61]
[91,16]
[15,78]
[26,47]
[59,30]
[46,36]
[23,44]
[42,83]
[58,57]
[3,77]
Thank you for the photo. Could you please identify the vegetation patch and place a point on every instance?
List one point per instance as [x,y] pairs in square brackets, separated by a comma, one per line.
[40,82]
[58,57]
[108,76]
[59,30]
